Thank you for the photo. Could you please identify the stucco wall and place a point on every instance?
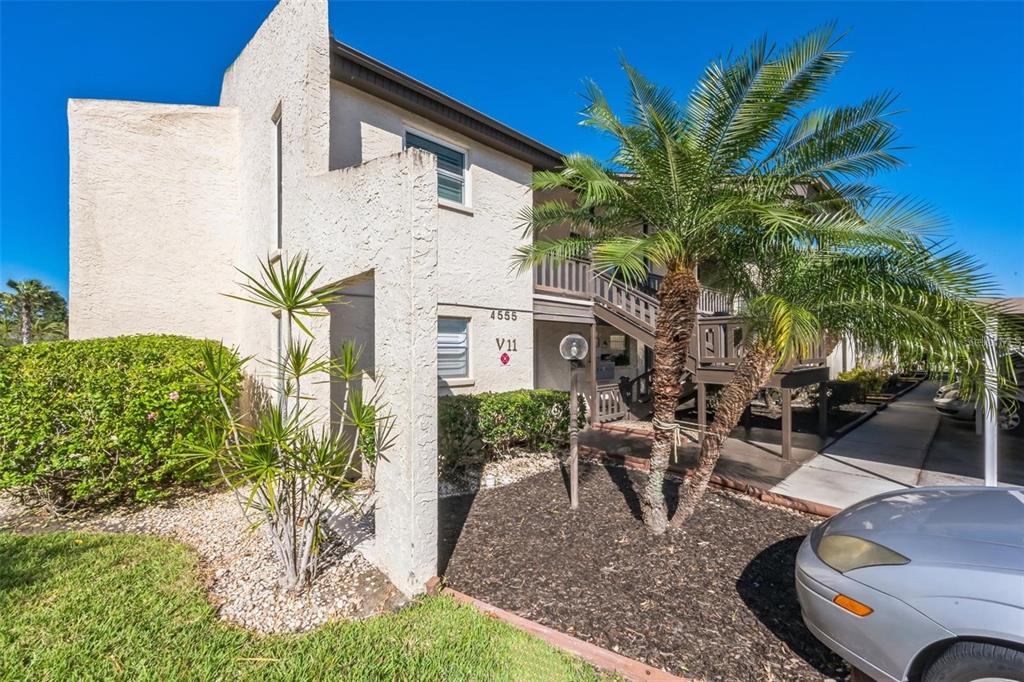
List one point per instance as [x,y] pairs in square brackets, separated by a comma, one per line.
[154,219]
[552,370]
[379,217]
[475,244]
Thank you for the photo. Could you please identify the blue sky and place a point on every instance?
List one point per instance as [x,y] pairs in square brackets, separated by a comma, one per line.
[956,65]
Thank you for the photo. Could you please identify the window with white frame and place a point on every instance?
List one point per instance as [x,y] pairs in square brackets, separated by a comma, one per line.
[451,167]
[452,348]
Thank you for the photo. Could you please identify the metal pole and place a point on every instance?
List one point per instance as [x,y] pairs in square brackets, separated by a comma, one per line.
[990,404]
[574,465]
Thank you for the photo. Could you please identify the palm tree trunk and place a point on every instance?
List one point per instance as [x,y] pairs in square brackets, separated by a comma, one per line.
[26,323]
[753,370]
[677,316]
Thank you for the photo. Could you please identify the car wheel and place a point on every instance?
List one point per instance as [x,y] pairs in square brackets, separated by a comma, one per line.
[1011,420]
[976,662]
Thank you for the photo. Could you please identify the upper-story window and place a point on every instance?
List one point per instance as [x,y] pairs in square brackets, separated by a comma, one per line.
[451,166]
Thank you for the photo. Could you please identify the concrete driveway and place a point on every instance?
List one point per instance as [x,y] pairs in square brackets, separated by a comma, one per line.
[955,456]
[906,445]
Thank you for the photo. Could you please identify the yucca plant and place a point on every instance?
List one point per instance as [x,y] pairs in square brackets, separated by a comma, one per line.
[285,464]
[745,166]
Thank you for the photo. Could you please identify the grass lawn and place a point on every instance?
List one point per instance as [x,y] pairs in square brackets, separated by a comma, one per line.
[96,606]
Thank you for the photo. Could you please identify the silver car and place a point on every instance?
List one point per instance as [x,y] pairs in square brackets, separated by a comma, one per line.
[924,584]
[1011,412]
[947,401]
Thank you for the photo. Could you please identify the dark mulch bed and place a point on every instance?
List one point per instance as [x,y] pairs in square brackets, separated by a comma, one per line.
[713,601]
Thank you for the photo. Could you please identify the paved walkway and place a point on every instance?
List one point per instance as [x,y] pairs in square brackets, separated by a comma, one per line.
[756,459]
[907,444]
[885,453]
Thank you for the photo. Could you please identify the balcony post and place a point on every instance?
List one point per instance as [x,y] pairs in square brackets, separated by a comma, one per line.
[823,409]
[702,409]
[787,424]
[593,374]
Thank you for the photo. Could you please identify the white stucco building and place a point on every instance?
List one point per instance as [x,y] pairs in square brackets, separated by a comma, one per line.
[411,199]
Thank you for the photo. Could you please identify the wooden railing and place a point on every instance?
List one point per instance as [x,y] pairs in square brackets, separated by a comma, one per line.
[636,389]
[712,301]
[610,405]
[636,305]
[576,279]
[719,345]
[568,278]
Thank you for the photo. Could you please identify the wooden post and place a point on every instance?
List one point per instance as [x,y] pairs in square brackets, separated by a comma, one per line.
[787,423]
[593,374]
[823,410]
[702,410]
[574,452]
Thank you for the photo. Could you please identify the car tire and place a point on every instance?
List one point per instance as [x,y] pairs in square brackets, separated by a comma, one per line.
[971,661]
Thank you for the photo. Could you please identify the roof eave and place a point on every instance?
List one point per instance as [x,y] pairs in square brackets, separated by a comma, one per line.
[352,67]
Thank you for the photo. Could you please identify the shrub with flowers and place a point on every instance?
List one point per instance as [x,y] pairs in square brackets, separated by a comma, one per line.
[96,421]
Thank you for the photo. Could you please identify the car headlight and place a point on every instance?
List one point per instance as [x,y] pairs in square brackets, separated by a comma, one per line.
[847,552]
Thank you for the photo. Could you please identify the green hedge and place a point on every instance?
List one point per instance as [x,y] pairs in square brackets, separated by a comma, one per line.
[868,381]
[486,425]
[89,422]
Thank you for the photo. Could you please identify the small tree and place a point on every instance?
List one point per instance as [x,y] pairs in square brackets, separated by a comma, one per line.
[32,311]
[729,167]
[285,464]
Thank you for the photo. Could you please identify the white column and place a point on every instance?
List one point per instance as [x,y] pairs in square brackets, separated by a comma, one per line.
[990,404]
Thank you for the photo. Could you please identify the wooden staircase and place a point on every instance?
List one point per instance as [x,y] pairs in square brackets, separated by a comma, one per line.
[716,345]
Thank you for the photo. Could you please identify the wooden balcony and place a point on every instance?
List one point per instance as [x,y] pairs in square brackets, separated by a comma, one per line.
[576,279]
[717,348]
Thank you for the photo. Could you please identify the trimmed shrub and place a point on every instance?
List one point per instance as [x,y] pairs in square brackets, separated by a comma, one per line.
[868,381]
[95,421]
[483,426]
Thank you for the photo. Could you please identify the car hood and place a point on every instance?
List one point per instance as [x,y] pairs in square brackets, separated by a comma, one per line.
[954,525]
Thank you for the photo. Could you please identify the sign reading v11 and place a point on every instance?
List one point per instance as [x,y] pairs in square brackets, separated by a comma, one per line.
[507,345]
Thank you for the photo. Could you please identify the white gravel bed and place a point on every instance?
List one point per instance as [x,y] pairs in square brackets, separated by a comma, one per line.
[239,567]
[498,473]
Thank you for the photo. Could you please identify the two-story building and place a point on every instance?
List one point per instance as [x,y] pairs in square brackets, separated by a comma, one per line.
[410,199]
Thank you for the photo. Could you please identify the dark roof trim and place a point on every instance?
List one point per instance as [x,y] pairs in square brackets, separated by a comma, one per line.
[354,68]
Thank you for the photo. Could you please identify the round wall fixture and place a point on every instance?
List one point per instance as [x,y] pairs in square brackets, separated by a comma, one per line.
[573,347]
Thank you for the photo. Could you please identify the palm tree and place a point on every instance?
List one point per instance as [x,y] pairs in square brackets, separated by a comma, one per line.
[908,301]
[742,164]
[37,307]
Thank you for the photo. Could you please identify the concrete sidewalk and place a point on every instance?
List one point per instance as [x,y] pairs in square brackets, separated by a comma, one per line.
[757,462]
[885,453]
[905,445]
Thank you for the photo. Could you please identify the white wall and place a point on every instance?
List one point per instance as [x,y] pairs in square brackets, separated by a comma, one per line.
[154,219]
[475,243]
[552,370]
[166,199]
[380,216]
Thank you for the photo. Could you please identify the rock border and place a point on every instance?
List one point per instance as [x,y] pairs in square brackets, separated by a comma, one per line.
[600,658]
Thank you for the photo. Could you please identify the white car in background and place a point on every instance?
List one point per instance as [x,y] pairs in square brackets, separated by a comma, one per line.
[1011,417]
